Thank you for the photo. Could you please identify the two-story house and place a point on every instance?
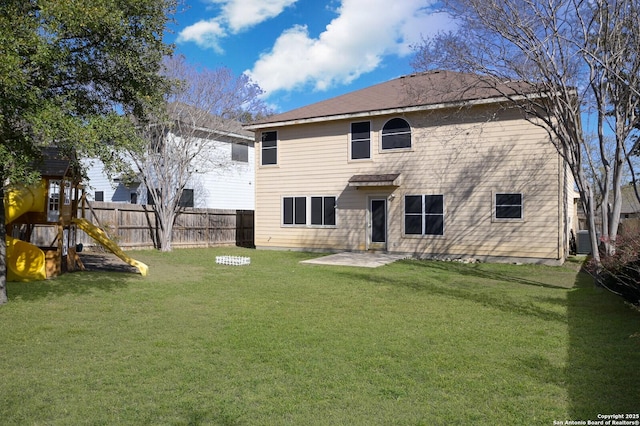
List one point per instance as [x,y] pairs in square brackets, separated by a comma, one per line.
[436,164]
[229,185]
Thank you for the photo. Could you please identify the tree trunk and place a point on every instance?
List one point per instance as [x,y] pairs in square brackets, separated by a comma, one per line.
[3,250]
[588,205]
[593,230]
[165,229]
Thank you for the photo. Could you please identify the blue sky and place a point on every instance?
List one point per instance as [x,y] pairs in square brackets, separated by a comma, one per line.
[305,51]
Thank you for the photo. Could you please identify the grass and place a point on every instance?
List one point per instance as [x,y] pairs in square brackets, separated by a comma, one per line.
[277,343]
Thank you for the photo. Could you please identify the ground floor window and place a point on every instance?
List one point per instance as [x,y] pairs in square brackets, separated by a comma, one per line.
[322,210]
[424,215]
[294,210]
[508,206]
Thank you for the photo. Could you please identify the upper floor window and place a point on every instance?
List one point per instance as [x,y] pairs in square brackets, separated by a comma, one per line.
[239,152]
[361,140]
[269,148]
[508,206]
[396,134]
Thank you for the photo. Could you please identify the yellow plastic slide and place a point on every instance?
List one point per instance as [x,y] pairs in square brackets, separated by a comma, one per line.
[25,262]
[100,236]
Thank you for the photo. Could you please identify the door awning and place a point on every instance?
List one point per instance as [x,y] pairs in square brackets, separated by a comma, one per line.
[389,179]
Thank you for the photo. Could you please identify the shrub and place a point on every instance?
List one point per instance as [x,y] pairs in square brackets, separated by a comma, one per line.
[620,272]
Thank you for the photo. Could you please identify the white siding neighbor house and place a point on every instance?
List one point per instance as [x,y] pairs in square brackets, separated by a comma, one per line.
[431,165]
[229,186]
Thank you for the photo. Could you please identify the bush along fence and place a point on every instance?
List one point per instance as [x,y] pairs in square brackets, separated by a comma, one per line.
[133,226]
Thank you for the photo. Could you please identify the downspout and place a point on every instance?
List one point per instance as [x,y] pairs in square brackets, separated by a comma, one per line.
[562,220]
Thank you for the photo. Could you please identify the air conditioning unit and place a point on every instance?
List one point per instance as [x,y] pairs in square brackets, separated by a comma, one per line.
[583,242]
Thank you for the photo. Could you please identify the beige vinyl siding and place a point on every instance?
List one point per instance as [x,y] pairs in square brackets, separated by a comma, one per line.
[467,156]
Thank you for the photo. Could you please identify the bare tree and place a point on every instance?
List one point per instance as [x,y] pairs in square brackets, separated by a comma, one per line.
[204,107]
[582,56]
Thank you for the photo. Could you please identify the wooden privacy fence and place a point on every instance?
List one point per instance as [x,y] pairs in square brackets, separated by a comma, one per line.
[133,226]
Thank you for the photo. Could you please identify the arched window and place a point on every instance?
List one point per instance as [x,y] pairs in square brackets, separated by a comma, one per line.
[396,134]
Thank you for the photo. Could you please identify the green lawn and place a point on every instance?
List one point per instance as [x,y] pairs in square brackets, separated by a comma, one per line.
[280,343]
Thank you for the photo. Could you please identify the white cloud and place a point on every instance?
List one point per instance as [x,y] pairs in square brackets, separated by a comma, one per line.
[235,16]
[353,43]
[243,14]
[203,33]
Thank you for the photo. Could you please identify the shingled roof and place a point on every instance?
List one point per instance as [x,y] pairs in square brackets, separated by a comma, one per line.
[54,163]
[193,116]
[415,91]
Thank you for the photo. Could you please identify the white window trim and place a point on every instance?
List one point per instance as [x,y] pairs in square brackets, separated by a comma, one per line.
[391,150]
[422,236]
[294,224]
[277,148]
[308,209]
[360,160]
[335,211]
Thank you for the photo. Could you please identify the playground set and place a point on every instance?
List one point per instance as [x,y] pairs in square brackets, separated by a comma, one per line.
[53,202]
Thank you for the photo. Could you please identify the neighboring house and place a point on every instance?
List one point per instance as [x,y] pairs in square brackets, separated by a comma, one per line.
[630,208]
[230,186]
[432,165]
[629,212]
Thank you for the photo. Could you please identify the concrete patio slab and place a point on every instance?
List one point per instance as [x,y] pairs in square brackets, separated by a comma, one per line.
[363,260]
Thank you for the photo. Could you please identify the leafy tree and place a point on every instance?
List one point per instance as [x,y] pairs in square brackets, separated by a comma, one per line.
[70,71]
[204,106]
[582,55]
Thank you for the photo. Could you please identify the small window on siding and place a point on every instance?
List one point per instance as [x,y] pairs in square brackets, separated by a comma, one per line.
[269,148]
[396,134]
[239,152]
[294,210]
[323,211]
[508,206]
[186,198]
[360,140]
[99,195]
[150,199]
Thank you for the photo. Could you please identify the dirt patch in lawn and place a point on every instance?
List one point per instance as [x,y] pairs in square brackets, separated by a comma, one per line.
[95,261]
